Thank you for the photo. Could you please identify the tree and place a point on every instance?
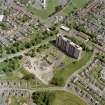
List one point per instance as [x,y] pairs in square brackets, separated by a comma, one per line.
[43,98]
[57,81]
[58,8]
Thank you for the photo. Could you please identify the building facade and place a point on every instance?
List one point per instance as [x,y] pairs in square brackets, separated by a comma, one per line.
[68,47]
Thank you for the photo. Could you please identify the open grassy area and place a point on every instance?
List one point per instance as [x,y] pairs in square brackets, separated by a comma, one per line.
[76,4]
[51,4]
[64,98]
[61,75]
[14,75]
[44,13]
[56,98]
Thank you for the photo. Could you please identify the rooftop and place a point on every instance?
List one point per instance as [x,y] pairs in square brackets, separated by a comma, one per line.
[72,43]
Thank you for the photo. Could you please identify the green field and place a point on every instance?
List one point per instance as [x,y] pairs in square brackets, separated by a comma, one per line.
[44,13]
[64,98]
[14,75]
[56,98]
[62,74]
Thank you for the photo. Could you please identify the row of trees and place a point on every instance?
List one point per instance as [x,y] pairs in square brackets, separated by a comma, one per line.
[32,52]
[21,45]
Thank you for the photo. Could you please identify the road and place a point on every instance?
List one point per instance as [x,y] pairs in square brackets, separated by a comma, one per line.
[26,50]
[81,69]
[33,89]
[48,89]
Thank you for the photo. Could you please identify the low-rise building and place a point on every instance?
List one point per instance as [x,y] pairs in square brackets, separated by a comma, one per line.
[65,28]
[68,47]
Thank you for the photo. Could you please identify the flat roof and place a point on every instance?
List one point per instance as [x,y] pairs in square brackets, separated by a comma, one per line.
[65,28]
[72,43]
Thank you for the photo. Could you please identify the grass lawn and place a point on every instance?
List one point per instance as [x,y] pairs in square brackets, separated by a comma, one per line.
[14,75]
[64,73]
[44,13]
[64,98]
[76,4]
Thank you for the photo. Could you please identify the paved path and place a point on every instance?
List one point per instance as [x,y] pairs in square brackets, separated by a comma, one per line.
[34,89]
[9,56]
[48,89]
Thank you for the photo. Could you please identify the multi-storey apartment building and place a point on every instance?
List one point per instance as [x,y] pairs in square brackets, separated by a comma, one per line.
[68,47]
